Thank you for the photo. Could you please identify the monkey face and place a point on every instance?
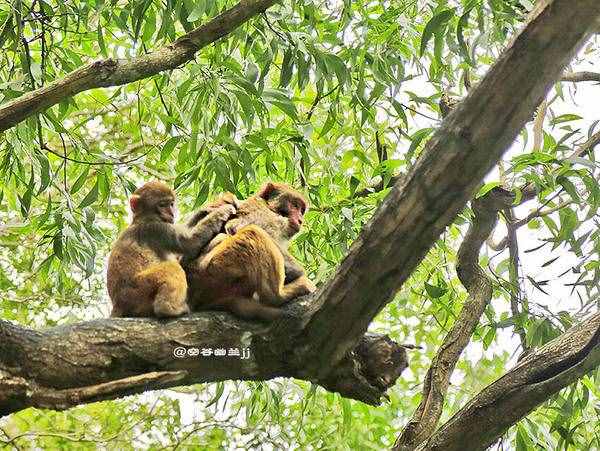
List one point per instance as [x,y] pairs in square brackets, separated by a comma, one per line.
[295,217]
[285,202]
[166,210]
[154,199]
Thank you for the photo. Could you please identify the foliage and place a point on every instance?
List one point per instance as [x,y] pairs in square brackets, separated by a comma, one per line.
[301,94]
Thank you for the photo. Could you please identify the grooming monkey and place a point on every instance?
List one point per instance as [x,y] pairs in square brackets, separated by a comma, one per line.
[244,270]
[144,276]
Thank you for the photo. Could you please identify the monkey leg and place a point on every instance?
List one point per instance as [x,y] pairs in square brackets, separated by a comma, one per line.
[299,287]
[250,261]
[117,312]
[168,280]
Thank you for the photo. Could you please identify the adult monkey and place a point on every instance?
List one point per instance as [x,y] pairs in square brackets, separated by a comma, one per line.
[248,270]
[144,277]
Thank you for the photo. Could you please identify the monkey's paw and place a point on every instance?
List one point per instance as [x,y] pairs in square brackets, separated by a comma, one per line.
[225,212]
[229,198]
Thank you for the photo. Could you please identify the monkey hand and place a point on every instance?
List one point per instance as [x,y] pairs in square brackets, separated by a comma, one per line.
[224,212]
[229,198]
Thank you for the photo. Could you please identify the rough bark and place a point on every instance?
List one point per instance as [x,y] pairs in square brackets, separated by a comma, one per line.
[64,366]
[535,379]
[463,149]
[114,72]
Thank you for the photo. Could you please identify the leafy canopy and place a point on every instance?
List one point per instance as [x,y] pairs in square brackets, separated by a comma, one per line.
[330,96]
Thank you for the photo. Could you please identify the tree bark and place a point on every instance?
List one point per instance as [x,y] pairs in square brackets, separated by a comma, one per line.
[64,366]
[115,72]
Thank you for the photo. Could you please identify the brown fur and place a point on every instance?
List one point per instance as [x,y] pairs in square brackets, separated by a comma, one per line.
[244,271]
[144,276]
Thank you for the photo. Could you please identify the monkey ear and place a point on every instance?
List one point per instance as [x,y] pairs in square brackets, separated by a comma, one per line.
[267,191]
[134,202]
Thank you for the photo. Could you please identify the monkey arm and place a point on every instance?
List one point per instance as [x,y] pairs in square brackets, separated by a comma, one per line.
[197,217]
[194,241]
[213,243]
[226,198]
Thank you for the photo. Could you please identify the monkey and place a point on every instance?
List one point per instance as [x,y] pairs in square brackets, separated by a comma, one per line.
[243,269]
[144,277]
[256,214]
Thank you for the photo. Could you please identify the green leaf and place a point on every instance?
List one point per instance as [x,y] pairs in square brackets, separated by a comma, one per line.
[416,140]
[460,37]
[435,292]
[435,25]
[168,147]
[81,179]
[565,118]
[101,42]
[329,123]
[486,189]
[286,68]
[57,246]
[25,200]
[198,11]
[569,188]
[251,72]
[91,196]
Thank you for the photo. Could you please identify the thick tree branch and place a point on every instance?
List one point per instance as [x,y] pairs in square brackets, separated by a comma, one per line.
[479,286]
[111,72]
[466,146]
[105,359]
[535,379]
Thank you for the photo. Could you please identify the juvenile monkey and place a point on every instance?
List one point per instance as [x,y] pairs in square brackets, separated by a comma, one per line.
[244,269]
[144,277]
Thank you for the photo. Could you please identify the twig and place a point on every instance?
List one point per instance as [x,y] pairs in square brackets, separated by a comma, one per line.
[112,72]
[95,163]
[581,76]
[513,275]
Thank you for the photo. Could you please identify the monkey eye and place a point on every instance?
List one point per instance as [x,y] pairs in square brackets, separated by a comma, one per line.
[300,207]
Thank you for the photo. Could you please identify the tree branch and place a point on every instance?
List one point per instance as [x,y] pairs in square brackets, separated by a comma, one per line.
[112,72]
[465,147]
[581,76]
[479,286]
[105,359]
[536,378]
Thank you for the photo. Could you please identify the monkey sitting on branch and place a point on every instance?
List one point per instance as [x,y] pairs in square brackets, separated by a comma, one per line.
[144,275]
[248,270]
